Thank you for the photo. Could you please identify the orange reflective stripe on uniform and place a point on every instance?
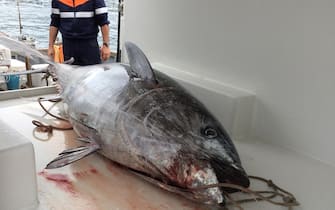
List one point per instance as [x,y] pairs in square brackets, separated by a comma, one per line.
[67,2]
[74,3]
[79,2]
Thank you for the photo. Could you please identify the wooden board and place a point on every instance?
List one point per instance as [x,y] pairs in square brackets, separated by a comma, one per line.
[93,183]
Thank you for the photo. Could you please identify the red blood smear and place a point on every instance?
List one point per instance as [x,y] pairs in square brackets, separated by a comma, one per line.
[93,171]
[62,181]
[86,173]
[80,174]
[113,167]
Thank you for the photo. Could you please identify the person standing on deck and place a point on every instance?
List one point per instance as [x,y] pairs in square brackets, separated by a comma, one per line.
[78,21]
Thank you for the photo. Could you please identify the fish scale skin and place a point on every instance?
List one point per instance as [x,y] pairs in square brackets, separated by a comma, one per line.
[146,128]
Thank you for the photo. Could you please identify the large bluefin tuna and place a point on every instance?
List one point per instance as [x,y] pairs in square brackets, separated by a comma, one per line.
[145,121]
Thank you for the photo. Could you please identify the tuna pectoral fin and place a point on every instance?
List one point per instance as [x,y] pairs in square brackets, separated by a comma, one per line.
[71,155]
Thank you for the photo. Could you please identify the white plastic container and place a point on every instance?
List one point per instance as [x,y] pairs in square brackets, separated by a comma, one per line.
[5,56]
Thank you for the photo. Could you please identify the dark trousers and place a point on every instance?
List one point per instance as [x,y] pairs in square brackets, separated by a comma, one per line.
[84,51]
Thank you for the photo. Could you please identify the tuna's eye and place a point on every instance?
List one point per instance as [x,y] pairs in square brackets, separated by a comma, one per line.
[210,133]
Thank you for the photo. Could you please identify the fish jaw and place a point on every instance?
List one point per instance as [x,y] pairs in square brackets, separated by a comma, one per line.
[199,177]
[189,174]
[231,173]
[203,177]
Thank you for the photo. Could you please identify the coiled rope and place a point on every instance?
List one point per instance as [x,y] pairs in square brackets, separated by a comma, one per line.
[49,128]
[288,199]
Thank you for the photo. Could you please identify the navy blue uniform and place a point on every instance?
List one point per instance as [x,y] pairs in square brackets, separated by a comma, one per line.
[78,22]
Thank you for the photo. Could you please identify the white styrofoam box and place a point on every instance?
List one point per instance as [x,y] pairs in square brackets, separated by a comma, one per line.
[5,56]
[4,68]
[17,65]
[233,107]
[36,78]
[18,174]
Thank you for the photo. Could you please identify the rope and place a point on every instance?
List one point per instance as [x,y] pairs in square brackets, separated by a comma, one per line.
[46,111]
[235,203]
[248,200]
[42,127]
[288,198]
[49,128]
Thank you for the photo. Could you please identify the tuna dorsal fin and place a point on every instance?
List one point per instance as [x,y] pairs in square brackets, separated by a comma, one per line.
[140,65]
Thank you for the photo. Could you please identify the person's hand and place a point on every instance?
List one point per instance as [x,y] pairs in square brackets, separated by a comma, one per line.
[51,52]
[105,53]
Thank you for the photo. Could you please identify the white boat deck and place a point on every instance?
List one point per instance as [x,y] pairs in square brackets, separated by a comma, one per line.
[96,183]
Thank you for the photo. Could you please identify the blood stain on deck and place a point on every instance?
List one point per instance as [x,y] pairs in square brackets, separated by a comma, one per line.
[94,171]
[86,173]
[62,181]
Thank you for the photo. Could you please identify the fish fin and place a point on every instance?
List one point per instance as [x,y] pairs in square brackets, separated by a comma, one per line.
[139,63]
[71,155]
[72,150]
[84,139]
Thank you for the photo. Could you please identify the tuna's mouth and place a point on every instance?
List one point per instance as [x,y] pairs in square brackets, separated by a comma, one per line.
[235,176]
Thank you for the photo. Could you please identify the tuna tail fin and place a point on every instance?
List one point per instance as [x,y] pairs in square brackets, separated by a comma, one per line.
[71,155]
[139,63]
